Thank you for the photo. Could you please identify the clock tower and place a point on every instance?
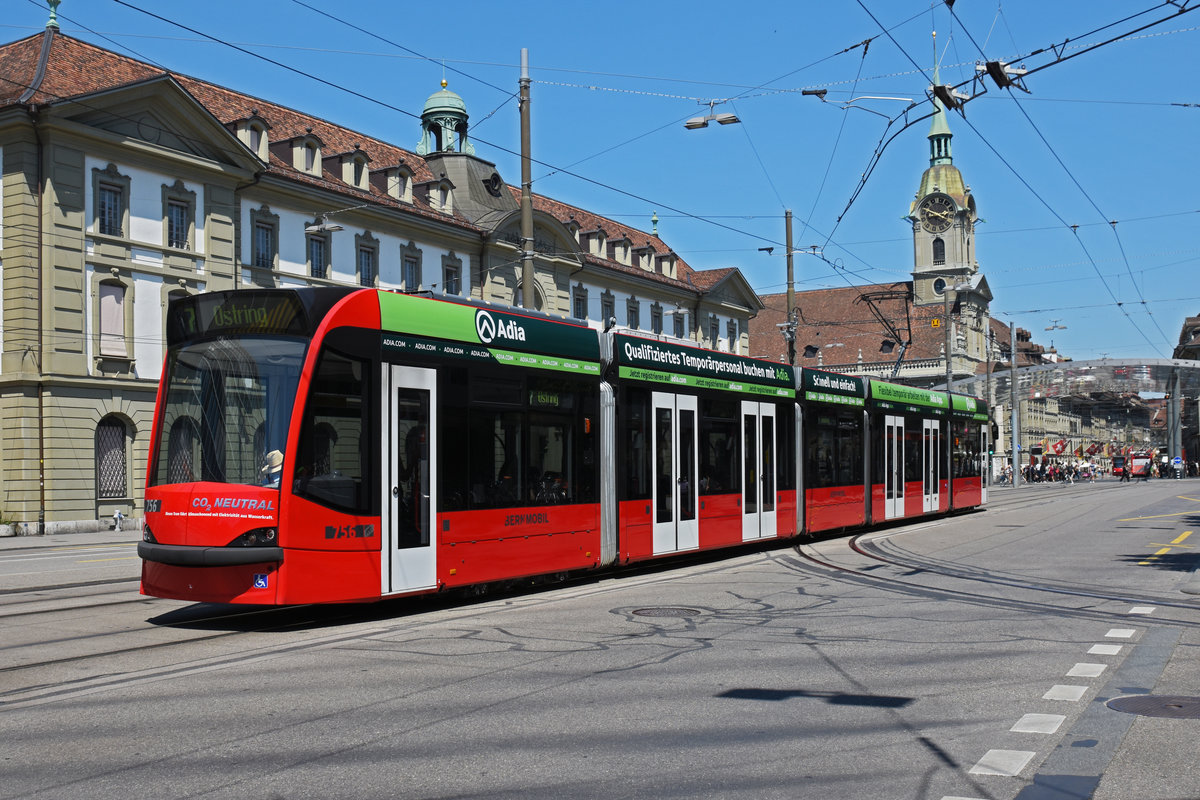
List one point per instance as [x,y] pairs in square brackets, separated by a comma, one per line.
[943,219]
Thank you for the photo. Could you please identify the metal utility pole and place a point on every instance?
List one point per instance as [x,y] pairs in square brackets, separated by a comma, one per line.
[791,289]
[946,296]
[1012,400]
[528,298]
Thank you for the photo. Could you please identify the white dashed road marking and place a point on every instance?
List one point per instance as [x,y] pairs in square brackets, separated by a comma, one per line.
[1120,633]
[1038,723]
[1064,692]
[1085,670]
[1002,762]
[1142,610]
[1105,649]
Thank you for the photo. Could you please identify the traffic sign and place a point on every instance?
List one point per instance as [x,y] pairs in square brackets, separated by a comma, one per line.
[1177,460]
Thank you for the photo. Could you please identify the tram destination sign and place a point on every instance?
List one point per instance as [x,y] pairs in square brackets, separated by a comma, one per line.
[235,313]
[436,328]
[965,407]
[660,362]
[833,388]
[894,397]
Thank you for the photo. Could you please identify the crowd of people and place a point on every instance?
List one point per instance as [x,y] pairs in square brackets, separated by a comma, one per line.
[1069,473]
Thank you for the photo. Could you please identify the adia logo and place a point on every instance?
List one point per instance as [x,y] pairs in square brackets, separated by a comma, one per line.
[489,331]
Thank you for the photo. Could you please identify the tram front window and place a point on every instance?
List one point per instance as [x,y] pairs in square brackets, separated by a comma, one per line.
[226,410]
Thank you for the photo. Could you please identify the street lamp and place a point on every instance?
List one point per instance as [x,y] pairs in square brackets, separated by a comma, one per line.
[724,118]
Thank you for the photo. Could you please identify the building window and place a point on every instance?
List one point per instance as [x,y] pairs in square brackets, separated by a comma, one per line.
[579,303]
[656,318]
[410,277]
[310,158]
[110,202]
[317,246]
[360,173]
[264,245]
[452,279]
[112,471]
[451,274]
[111,210]
[264,238]
[714,331]
[939,251]
[112,320]
[177,225]
[633,313]
[732,329]
[367,270]
[256,139]
[608,309]
[679,318]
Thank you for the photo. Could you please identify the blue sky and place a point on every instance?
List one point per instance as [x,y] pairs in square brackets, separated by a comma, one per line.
[1103,136]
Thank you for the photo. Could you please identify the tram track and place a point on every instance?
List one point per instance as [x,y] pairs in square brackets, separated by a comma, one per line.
[866,545]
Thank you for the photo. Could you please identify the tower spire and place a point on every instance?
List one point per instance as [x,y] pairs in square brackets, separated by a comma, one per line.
[939,128]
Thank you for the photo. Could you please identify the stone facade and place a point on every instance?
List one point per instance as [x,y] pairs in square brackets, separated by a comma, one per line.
[125,186]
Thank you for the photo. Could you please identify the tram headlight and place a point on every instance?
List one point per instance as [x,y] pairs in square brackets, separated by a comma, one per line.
[259,537]
[147,535]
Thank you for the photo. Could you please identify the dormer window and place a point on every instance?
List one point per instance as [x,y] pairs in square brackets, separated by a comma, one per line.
[306,154]
[354,168]
[252,132]
[598,243]
[395,182]
[445,198]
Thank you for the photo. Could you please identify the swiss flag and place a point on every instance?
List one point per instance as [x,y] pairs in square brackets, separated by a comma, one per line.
[1092,448]
[1059,446]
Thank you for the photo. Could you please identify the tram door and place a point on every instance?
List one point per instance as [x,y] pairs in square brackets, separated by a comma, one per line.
[893,467]
[758,470]
[931,437]
[676,488]
[409,558]
[985,462]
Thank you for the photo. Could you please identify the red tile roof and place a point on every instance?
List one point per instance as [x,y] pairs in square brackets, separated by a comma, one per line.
[76,69]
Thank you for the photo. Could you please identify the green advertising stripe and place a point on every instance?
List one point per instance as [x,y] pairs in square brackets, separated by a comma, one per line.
[836,399]
[545,362]
[398,343]
[675,379]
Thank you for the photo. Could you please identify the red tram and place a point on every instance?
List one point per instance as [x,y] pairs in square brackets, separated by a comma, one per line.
[333,445]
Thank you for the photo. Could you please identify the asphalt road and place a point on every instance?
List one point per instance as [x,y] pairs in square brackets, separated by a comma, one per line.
[969,657]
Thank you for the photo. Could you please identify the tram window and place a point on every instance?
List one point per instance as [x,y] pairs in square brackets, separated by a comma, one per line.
[332,460]
[453,479]
[633,444]
[966,450]
[914,451]
[834,448]
[495,459]
[719,455]
[664,491]
[785,432]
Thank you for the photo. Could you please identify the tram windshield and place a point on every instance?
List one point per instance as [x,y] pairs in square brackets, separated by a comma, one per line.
[226,410]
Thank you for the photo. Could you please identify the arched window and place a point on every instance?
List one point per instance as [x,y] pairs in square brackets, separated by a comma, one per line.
[112,464]
[939,251]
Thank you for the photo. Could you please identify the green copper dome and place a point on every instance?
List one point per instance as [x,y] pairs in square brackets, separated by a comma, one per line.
[444,101]
[444,124]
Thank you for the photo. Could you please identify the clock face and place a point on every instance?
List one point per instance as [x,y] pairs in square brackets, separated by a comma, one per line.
[939,286]
[937,213]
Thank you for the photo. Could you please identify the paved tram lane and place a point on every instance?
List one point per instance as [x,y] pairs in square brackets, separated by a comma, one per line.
[68,559]
[972,657]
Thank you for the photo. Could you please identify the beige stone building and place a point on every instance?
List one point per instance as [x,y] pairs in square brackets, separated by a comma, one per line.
[125,185]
